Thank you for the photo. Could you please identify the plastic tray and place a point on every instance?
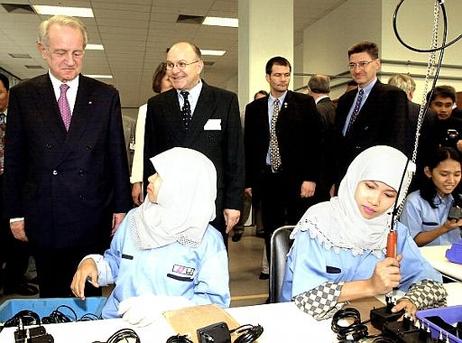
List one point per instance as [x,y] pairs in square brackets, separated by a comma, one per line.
[43,307]
[454,254]
[450,315]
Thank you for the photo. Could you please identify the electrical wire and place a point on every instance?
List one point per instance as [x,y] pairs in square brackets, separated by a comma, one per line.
[247,333]
[122,336]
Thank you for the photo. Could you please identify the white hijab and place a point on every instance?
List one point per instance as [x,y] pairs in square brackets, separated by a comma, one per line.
[338,223]
[185,202]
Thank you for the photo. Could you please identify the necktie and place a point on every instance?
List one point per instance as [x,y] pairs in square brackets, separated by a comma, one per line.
[274,146]
[64,106]
[2,139]
[186,110]
[355,110]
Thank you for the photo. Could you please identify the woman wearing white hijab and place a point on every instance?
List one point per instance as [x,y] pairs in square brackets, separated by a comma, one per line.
[339,250]
[164,254]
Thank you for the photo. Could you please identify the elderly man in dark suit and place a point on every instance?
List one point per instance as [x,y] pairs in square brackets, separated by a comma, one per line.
[66,171]
[372,114]
[198,116]
[282,143]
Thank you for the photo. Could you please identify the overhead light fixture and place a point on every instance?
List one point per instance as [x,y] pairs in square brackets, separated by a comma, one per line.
[206,52]
[71,11]
[94,47]
[96,76]
[219,21]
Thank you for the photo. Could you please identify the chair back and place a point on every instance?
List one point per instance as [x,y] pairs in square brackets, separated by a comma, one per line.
[280,246]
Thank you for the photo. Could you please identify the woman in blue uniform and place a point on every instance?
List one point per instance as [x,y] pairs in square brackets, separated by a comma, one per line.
[165,254]
[426,210]
[339,250]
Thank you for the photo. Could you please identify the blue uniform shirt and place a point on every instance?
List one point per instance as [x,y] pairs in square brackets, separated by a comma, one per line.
[310,264]
[419,216]
[198,274]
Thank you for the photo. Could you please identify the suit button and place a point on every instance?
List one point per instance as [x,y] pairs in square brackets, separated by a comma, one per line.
[55,172]
[89,147]
[81,172]
[49,146]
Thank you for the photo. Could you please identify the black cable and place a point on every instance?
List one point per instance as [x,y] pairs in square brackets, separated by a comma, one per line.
[26,316]
[179,339]
[57,316]
[443,46]
[88,317]
[247,333]
[122,336]
[353,332]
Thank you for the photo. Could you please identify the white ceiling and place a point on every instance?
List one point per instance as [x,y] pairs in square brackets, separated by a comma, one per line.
[135,35]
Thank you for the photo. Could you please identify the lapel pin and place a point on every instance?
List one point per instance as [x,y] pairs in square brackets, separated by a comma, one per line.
[285,105]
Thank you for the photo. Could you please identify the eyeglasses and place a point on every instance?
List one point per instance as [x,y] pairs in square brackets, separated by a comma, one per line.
[360,65]
[180,65]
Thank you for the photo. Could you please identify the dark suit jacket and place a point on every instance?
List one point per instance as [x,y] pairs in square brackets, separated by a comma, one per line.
[65,184]
[223,146]
[383,119]
[298,130]
[326,109]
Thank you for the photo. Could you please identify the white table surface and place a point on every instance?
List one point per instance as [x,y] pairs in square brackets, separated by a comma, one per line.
[436,255]
[282,322]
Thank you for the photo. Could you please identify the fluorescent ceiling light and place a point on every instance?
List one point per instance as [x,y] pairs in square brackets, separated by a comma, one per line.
[100,76]
[206,52]
[72,11]
[218,21]
[94,47]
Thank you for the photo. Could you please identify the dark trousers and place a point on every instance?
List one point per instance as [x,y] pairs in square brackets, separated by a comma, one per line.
[14,254]
[56,268]
[281,204]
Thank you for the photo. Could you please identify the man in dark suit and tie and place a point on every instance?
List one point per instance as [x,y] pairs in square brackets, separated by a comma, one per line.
[66,170]
[198,116]
[282,142]
[372,114]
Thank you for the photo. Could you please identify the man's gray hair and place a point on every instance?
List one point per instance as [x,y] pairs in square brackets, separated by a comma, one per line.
[62,20]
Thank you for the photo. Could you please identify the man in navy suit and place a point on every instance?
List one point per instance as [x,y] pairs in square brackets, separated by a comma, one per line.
[66,170]
[286,188]
[372,114]
[198,116]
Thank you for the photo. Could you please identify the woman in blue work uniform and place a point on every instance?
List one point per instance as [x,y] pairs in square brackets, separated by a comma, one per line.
[339,250]
[426,210]
[165,254]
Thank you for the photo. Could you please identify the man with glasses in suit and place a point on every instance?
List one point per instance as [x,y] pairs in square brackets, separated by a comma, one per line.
[374,113]
[198,116]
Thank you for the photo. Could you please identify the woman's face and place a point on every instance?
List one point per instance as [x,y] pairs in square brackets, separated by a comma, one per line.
[374,198]
[445,176]
[153,188]
[165,84]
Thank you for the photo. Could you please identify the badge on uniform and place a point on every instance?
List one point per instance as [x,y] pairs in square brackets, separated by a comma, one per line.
[181,273]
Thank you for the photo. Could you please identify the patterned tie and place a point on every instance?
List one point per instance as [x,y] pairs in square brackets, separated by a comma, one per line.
[354,115]
[2,140]
[274,146]
[186,110]
[64,106]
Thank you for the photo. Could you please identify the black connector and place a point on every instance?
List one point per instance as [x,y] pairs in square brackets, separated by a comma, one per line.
[382,315]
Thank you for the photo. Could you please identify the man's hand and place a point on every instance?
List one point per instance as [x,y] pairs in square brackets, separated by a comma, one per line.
[386,275]
[248,191]
[18,231]
[231,218]
[307,189]
[116,220]
[86,271]
[137,194]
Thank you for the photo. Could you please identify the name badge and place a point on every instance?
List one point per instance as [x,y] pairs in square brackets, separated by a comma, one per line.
[213,124]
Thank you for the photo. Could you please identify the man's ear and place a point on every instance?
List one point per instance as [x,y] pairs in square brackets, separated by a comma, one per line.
[427,172]
[42,49]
